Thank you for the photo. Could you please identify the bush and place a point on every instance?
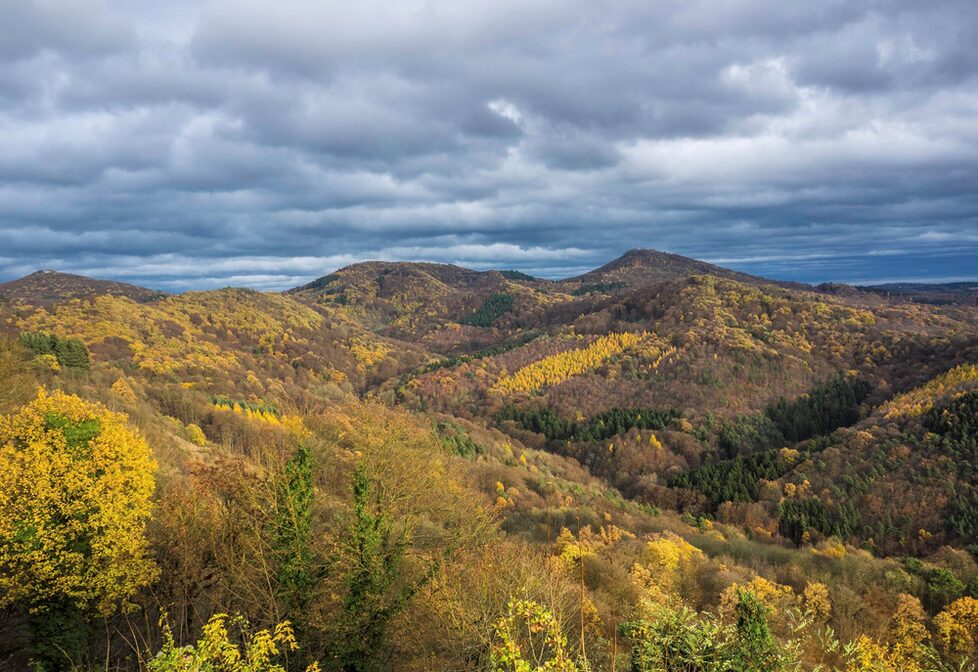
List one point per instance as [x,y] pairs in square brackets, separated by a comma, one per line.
[261,651]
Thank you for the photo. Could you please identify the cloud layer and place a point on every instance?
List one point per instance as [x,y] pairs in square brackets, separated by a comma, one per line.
[190,144]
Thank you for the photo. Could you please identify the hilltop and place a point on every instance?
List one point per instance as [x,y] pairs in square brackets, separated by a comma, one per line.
[45,287]
[430,303]
[640,267]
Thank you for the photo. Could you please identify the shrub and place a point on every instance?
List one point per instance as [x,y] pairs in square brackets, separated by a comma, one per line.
[261,651]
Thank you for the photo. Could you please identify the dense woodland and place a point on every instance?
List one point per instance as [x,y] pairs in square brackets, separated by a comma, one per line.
[660,466]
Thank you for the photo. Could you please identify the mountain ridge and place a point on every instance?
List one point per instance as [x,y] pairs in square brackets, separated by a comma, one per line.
[48,286]
[642,265]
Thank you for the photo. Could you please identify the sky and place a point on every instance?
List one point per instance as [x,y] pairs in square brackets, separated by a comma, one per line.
[182,145]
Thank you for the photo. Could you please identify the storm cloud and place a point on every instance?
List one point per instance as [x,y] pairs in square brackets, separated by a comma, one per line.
[199,144]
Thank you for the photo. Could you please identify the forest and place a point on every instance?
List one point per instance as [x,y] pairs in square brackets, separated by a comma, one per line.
[621,473]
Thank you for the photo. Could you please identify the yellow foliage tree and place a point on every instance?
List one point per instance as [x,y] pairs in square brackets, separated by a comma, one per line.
[955,626]
[557,368]
[668,559]
[571,549]
[952,384]
[815,599]
[529,639]
[868,655]
[369,354]
[775,596]
[18,385]
[75,489]
[905,653]
[196,435]
[122,389]
[907,627]
[46,363]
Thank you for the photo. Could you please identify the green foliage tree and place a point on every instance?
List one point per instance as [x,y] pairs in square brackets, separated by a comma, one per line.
[598,427]
[833,404]
[733,480]
[491,310]
[70,352]
[603,287]
[456,439]
[756,650]
[516,275]
[292,536]
[748,434]
[676,639]
[798,516]
[376,589]
[955,426]
[826,407]
[943,587]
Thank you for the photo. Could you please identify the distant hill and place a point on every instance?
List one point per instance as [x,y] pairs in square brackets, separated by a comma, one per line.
[642,267]
[934,294]
[637,267]
[399,272]
[410,300]
[46,287]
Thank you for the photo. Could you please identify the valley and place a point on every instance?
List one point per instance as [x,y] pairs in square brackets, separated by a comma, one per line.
[421,466]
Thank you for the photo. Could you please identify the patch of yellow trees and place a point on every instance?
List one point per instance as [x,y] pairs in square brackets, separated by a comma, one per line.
[952,384]
[558,368]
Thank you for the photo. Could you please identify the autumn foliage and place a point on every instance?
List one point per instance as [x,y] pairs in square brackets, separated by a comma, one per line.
[558,368]
[419,467]
[75,489]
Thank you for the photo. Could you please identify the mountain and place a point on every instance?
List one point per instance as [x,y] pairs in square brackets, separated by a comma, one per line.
[45,287]
[434,304]
[642,267]
[606,457]
[437,305]
[920,445]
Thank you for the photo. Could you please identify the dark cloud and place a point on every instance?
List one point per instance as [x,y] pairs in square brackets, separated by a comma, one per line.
[187,144]
[78,28]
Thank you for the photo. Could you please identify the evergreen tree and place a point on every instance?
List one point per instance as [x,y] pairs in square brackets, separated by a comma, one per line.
[292,537]
[70,352]
[376,590]
[756,649]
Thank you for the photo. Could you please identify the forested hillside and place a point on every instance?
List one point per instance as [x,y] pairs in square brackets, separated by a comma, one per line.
[659,466]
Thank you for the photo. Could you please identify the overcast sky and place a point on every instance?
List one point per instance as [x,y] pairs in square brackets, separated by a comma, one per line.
[200,144]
